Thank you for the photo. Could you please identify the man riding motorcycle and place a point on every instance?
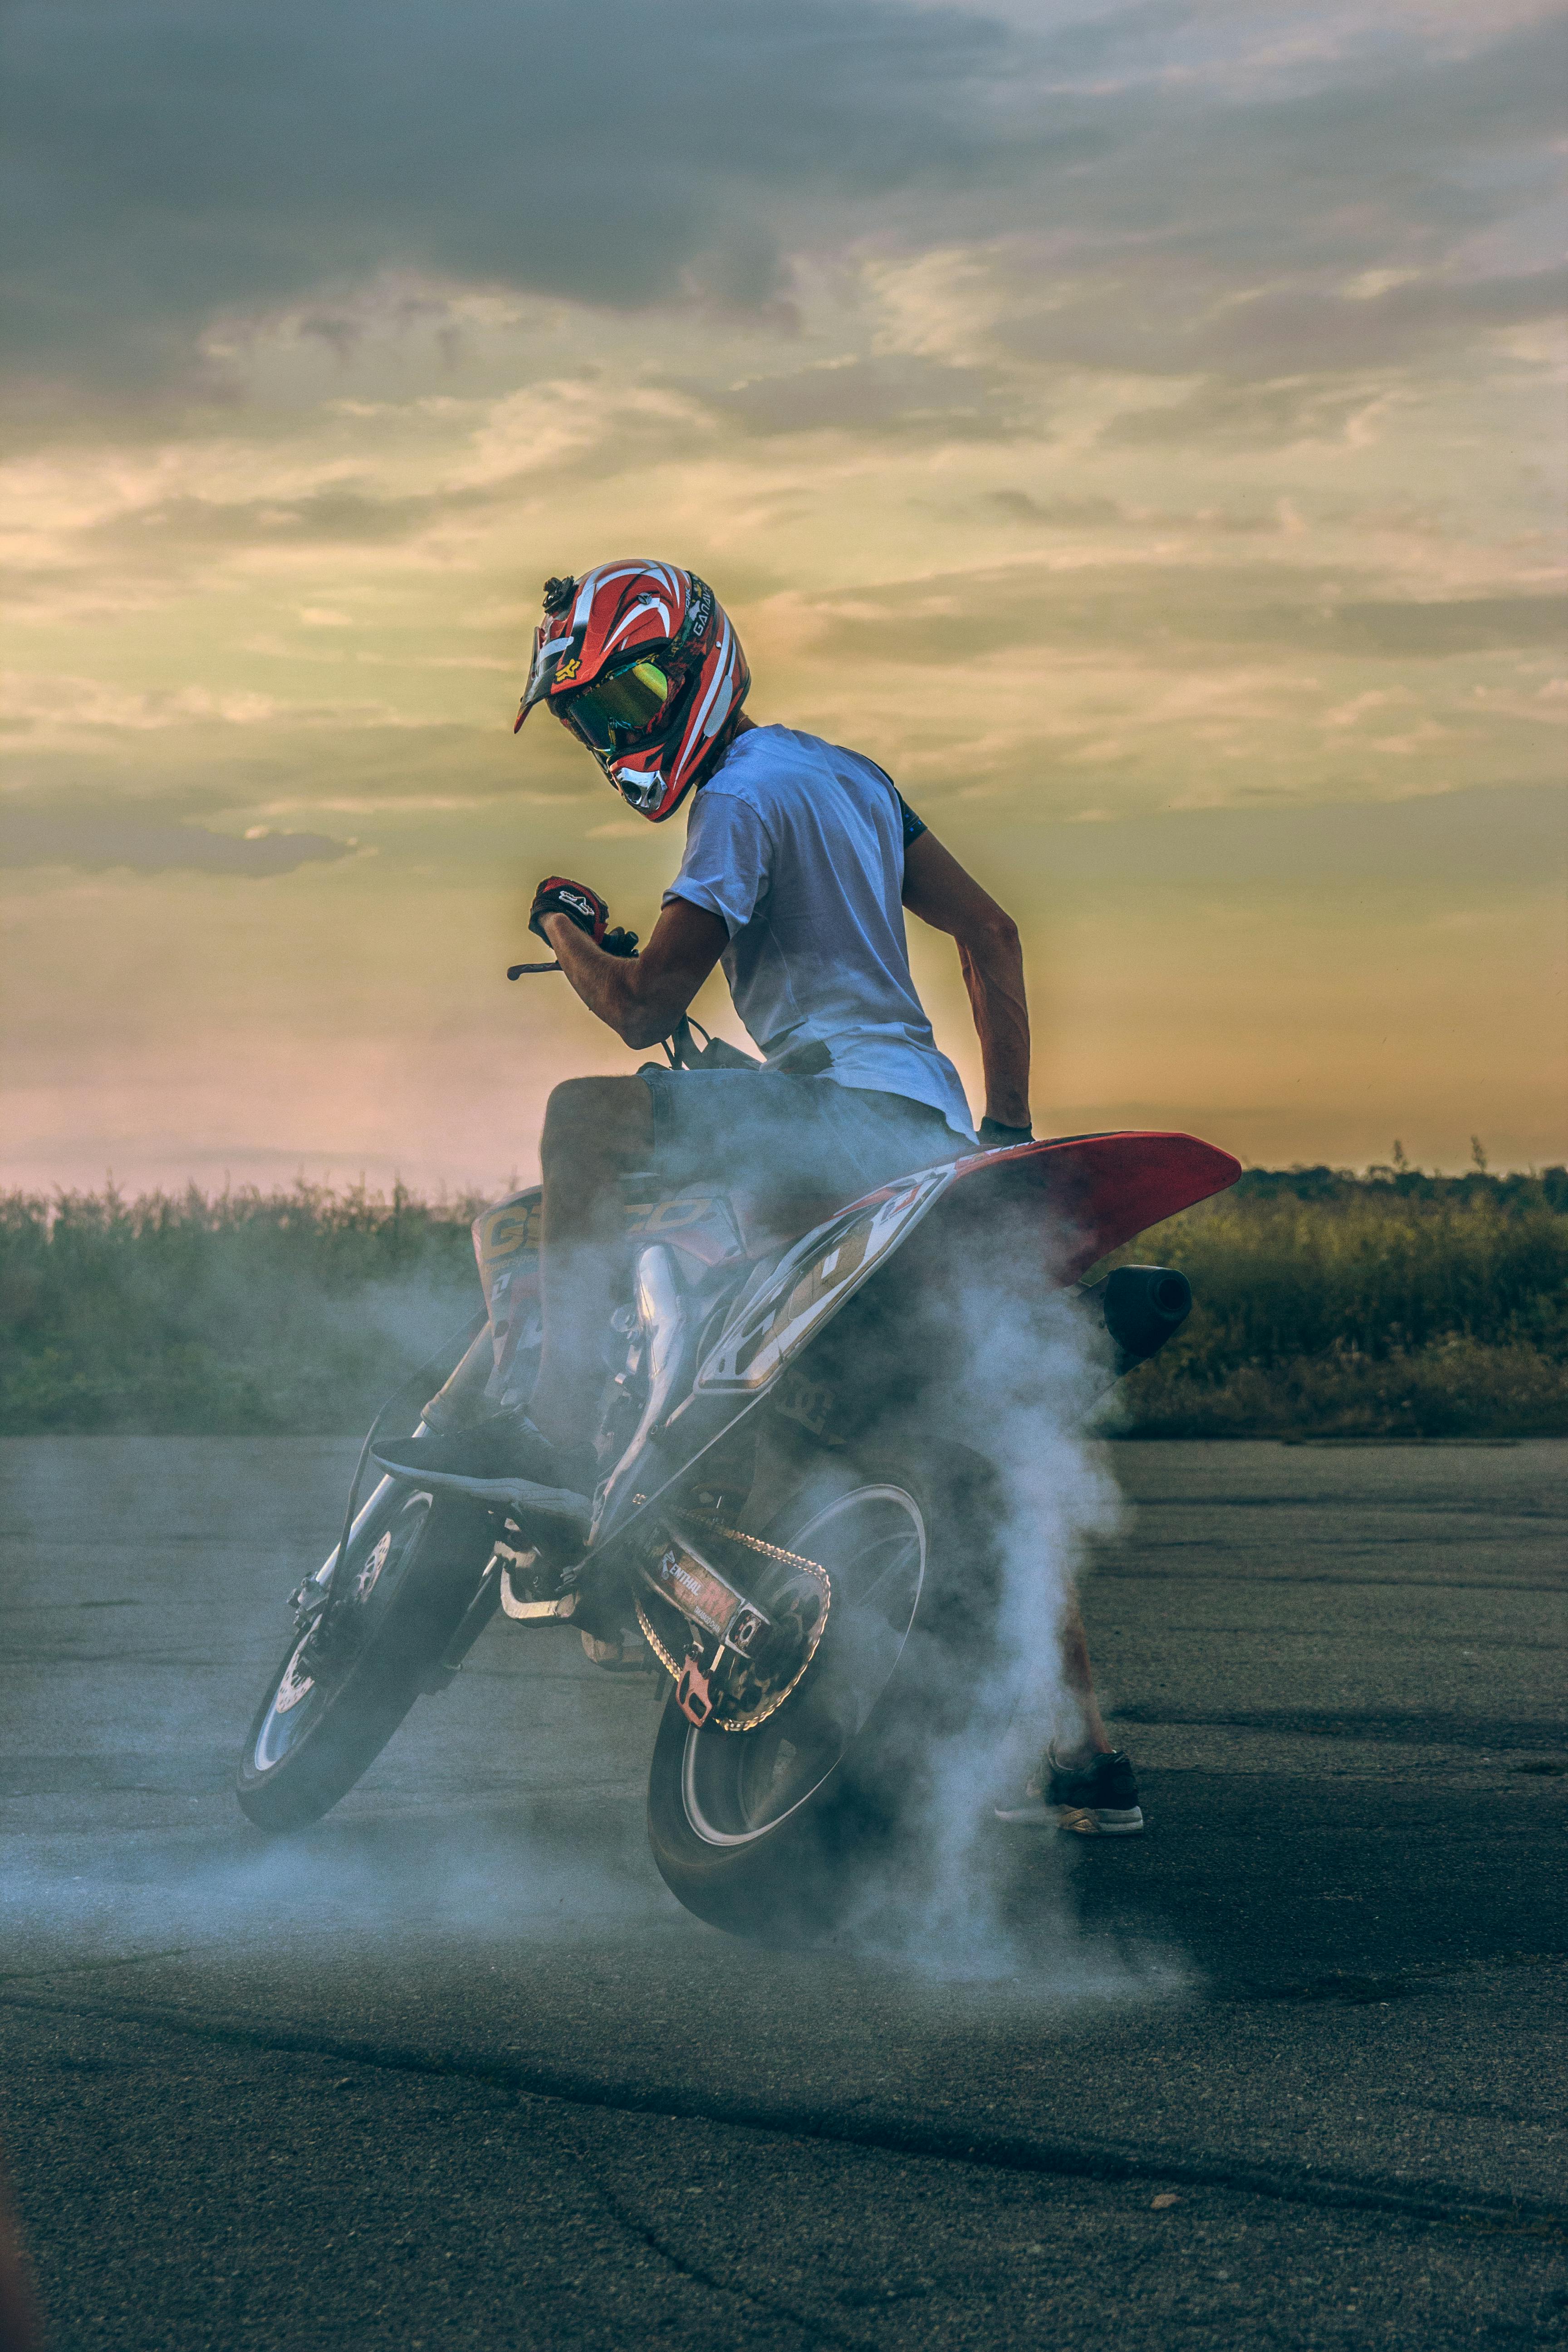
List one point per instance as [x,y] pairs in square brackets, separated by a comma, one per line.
[801,857]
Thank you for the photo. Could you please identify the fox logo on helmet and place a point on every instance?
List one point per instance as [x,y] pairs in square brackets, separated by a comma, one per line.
[666,627]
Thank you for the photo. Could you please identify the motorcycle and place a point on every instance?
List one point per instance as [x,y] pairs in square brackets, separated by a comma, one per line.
[787,1524]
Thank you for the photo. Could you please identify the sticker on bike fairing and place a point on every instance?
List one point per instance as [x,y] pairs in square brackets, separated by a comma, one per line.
[506,1238]
[506,1231]
[813,1283]
[703,1224]
[661,1217]
[811,1402]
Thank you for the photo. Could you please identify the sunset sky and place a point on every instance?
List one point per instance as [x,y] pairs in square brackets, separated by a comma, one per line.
[1137,426]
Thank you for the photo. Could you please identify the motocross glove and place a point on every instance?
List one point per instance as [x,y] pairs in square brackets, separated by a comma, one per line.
[995,1137]
[580,906]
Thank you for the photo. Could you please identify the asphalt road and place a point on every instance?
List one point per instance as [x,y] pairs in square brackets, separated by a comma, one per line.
[453,2070]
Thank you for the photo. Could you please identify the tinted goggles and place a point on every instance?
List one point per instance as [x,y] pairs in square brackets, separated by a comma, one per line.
[623,703]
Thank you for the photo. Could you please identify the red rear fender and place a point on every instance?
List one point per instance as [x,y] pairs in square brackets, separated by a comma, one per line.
[1097,1190]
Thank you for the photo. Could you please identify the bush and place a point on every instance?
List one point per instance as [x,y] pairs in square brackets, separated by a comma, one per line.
[251,1313]
[1326,1304]
[1376,1306]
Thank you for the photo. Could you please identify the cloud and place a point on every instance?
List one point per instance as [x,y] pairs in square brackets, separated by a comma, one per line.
[93,840]
[1139,170]
[208,773]
[1320,337]
[1170,611]
[244,157]
[342,515]
[1306,327]
[1430,629]
[1490,837]
[899,393]
[1153,316]
[1224,415]
[30,699]
[1088,513]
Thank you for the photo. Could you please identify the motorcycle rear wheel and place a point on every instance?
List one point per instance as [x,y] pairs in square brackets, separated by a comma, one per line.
[771,1833]
[411,1575]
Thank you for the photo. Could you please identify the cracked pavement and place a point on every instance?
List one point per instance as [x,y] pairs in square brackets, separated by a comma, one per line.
[453,2069]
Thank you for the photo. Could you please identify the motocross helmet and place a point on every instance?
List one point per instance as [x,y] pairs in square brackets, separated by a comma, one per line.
[639,660]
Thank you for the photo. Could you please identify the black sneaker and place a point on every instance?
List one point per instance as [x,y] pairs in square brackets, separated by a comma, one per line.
[1097,1799]
[502,1460]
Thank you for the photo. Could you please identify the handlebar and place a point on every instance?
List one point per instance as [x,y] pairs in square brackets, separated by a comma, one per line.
[617,942]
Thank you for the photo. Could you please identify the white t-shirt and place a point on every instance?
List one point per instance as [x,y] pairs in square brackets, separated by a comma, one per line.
[798,846]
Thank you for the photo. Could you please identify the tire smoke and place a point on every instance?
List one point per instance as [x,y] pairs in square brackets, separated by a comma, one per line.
[966,1898]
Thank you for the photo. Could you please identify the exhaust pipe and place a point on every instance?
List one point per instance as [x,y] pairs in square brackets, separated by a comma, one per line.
[1142,1308]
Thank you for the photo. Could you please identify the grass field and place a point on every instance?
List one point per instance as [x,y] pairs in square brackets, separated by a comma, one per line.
[291,1313]
[1394,1305]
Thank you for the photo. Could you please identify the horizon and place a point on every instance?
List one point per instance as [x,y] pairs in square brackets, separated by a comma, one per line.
[334,1185]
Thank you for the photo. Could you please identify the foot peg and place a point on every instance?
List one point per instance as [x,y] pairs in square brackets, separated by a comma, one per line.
[530,1592]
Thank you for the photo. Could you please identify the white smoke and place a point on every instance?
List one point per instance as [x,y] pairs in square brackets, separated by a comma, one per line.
[1027,1372]
[1030,1373]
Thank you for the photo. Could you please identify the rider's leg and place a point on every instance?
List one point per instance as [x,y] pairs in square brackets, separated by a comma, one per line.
[595,1131]
[1085,1784]
[1080,1679]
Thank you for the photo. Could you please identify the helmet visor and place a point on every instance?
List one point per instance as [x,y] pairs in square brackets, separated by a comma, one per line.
[622,704]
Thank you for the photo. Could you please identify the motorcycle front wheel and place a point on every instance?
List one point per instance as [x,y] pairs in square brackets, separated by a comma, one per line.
[333,1703]
[772,1833]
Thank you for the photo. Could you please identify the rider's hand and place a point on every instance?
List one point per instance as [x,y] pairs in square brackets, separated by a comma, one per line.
[995,1137]
[580,905]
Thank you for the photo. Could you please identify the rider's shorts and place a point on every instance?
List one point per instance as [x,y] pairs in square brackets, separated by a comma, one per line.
[770,1132]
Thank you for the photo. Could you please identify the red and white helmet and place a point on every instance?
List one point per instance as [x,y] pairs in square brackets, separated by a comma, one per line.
[639,660]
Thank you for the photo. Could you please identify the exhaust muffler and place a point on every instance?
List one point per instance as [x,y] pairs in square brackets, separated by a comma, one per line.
[1142,1308]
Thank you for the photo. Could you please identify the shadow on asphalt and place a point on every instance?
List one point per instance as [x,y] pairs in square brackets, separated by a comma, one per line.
[1275,1881]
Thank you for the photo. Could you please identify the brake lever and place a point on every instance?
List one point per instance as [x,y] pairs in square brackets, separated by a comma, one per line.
[618,942]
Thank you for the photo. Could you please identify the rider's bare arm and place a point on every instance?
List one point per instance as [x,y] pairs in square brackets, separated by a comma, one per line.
[940,893]
[641,998]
